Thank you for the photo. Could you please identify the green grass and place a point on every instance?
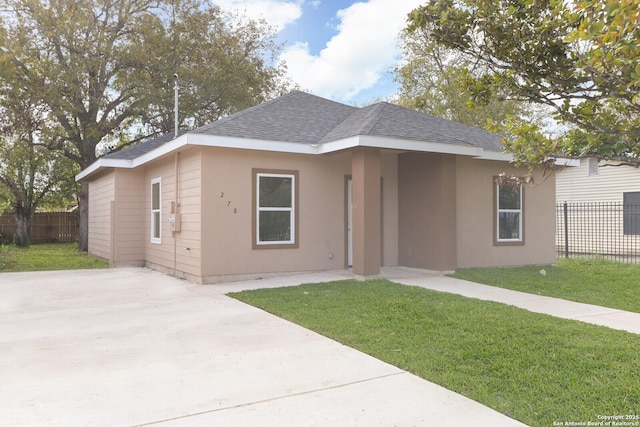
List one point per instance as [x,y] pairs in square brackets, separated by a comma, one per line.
[591,281]
[55,256]
[532,367]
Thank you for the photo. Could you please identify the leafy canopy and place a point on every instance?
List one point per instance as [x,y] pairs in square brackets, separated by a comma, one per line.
[581,58]
[101,71]
[433,79]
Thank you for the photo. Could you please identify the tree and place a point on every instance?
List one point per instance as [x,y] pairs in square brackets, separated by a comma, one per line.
[30,174]
[102,69]
[580,58]
[433,80]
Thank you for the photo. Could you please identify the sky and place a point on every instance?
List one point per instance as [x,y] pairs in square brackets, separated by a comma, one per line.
[339,49]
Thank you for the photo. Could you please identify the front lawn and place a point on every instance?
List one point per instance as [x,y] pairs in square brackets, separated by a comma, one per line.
[532,367]
[590,281]
[54,256]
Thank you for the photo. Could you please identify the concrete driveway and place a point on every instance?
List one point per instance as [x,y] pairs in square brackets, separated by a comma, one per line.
[125,347]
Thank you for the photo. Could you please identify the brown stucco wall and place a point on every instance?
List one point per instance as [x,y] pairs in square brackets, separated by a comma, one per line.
[427,211]
[475,216]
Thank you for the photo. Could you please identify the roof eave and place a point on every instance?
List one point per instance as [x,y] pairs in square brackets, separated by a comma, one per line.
[295,147]
[412,145]
[103,163]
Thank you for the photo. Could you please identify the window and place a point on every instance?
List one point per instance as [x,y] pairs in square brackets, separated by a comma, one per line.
[156,214]
[275,209]
[509,214]
[592,166]
[631,213]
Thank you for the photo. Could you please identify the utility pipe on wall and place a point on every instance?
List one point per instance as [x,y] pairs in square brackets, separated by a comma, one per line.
[175,108]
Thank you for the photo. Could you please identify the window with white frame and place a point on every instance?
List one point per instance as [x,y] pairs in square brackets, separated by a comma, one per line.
[156,211]
[275,198]
[509,214]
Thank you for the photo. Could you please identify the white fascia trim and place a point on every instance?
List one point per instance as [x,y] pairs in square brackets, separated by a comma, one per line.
[165,148]
[496,155]
[399,144]
[295,147]
[104,163]
[567,162]
[251,144]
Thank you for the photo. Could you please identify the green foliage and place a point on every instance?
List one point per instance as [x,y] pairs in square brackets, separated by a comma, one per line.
[435,80]
[531,367]
[589,281]
[44,257]
[100,72]
[579,58]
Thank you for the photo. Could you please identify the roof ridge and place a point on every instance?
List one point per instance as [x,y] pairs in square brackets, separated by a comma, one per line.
[374,117]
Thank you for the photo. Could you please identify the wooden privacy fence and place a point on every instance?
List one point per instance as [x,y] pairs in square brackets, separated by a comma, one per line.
[46,227]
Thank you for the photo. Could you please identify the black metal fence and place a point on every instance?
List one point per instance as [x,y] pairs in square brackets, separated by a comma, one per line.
[609,230]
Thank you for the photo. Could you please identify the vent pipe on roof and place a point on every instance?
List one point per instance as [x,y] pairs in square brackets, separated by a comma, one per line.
[175,108]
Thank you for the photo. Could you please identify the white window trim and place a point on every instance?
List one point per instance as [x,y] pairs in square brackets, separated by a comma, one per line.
[291,209]
[499,211]
[156,240]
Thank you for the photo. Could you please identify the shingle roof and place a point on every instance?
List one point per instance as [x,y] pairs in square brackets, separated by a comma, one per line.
[295,117]
[143,147]
[300,117]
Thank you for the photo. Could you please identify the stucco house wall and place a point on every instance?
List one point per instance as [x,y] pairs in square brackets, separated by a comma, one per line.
[128,220]
[422,194]
[102,191]
[227,212]
[179,252]
[476,214]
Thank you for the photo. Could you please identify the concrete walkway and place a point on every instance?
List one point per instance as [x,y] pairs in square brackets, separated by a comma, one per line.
[129,347]
[609,317]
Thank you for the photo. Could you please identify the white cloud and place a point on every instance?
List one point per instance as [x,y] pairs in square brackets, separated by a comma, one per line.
[355,58]
[277,13]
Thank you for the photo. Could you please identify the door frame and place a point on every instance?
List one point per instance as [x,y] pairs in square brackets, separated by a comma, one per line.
[348,221]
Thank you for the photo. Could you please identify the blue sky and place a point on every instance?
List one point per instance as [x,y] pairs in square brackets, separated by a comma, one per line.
[339,49]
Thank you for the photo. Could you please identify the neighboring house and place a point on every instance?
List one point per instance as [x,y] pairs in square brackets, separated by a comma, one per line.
[603,207]
[301,183]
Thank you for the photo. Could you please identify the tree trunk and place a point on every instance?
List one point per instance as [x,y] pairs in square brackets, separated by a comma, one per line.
[23,228]
[83,222]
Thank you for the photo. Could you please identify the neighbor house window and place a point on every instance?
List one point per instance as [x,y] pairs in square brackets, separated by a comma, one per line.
[275,209]
[631,212]
[509,214]
[156,215]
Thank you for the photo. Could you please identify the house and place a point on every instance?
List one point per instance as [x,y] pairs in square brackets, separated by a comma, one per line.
[302,183]
[599,208]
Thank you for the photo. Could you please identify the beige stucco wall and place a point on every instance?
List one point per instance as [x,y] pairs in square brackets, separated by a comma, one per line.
[101,196]
[437,213]
[129,212]
[227,217]
[475,216]
[179,251]
[427,210]
[389,167]
[446,214]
